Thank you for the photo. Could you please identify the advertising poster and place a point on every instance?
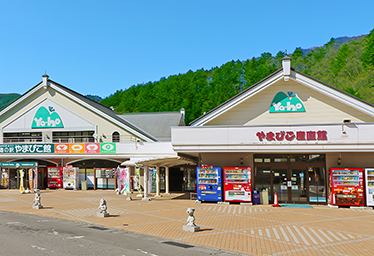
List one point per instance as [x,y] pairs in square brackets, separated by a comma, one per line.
[152,180]
[123,180]
[137,180]
[21,174]
[31,179]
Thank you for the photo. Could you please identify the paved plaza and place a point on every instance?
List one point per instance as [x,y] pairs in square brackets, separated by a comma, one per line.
[245,229]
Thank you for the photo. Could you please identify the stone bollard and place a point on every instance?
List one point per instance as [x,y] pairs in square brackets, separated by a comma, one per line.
[37,202]
[191,226]
[103,207]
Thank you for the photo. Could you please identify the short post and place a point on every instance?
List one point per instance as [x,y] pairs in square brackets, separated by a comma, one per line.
[102,209]
[37,202]
[191,226]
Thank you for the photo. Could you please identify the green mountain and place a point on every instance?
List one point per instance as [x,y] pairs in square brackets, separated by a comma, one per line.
[346,63]
[5,99]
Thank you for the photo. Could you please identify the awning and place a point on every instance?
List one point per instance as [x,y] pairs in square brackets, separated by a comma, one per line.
[166,161]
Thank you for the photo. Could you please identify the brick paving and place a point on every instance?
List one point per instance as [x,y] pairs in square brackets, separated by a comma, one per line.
[245,229]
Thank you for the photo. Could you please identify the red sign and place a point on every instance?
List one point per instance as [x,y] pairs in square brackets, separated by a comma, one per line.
[92,148]
[291,135]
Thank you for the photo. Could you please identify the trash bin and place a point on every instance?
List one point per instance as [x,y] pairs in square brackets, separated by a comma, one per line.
[256,197]
[84,184]
[264,196]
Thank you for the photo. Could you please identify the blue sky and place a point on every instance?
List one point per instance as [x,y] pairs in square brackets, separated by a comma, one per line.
[99,47]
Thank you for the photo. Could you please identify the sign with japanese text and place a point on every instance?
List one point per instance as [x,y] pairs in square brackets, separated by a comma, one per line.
[107,148]
[26,148]
[59,148]
[92,148]
[291,135]
[62,148]
[17,165]
[76,148]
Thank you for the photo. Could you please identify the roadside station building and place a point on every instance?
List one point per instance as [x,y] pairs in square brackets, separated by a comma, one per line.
[290,129]
[53,126]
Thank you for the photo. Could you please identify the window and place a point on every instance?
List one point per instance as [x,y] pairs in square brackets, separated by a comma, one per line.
[115,137]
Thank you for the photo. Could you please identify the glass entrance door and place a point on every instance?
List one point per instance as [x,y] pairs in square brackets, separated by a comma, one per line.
[298,186]
[280,178]
[290,185]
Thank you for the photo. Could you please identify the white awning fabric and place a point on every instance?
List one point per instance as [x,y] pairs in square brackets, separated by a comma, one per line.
[166,161]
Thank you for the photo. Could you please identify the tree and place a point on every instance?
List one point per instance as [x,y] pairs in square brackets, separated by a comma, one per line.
[368,54]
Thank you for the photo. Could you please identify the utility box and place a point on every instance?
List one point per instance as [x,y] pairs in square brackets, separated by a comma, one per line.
[84,184]
[264,196]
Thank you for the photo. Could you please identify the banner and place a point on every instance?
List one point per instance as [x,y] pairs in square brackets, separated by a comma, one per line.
[137,180]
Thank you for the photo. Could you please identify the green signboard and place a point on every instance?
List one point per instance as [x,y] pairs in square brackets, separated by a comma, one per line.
[107,148]
[27,148]
[285,103]
[17,165]
[45,118]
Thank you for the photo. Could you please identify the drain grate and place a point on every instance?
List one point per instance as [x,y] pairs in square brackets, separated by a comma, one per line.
[99,228]
[178,244]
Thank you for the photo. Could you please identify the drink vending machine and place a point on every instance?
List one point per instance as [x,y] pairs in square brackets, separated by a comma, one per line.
[237,184]
[369,184]
[347,186]
[54,177]
[71,177]
[209,183]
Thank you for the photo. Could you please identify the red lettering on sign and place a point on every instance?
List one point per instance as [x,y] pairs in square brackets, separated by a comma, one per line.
[260,135]
[270,136]
[300,135]
[280,135]
[311,135]
[322,135]
[290,136]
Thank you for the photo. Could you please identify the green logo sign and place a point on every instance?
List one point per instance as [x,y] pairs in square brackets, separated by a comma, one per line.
[107,147]
[45,118]
[283,103]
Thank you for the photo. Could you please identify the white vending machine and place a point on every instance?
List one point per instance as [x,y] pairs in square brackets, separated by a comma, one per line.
[369,186]
[70,177]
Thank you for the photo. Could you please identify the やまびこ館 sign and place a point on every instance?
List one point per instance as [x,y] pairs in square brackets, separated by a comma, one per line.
[60,148]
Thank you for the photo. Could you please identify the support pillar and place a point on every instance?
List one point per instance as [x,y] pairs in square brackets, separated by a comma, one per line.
[167,180]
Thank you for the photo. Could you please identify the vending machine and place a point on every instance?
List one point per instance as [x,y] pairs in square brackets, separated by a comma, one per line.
[369,184]
[54,177]
[209,186]
[237,184]
[71,176]
[347,186]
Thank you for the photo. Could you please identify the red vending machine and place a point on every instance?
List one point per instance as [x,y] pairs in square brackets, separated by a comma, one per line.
[237,184]
[347,186]
[54,177]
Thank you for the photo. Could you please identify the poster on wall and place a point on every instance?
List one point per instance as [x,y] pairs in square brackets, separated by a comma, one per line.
[152,180]
[123,180]
[137,180]
[31,178]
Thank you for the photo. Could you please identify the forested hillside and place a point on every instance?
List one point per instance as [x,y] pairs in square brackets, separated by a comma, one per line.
[347,66]
[5,99]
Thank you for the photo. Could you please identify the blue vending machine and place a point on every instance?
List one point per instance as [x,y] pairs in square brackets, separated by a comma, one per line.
[209,187]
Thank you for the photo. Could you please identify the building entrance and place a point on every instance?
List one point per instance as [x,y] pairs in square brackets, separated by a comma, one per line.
[295,178]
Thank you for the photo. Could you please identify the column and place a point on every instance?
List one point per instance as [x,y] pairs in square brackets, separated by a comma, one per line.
[167,180]
[146,171]
[157,181]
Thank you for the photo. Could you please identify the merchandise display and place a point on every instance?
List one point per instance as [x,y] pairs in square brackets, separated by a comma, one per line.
[369,186]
